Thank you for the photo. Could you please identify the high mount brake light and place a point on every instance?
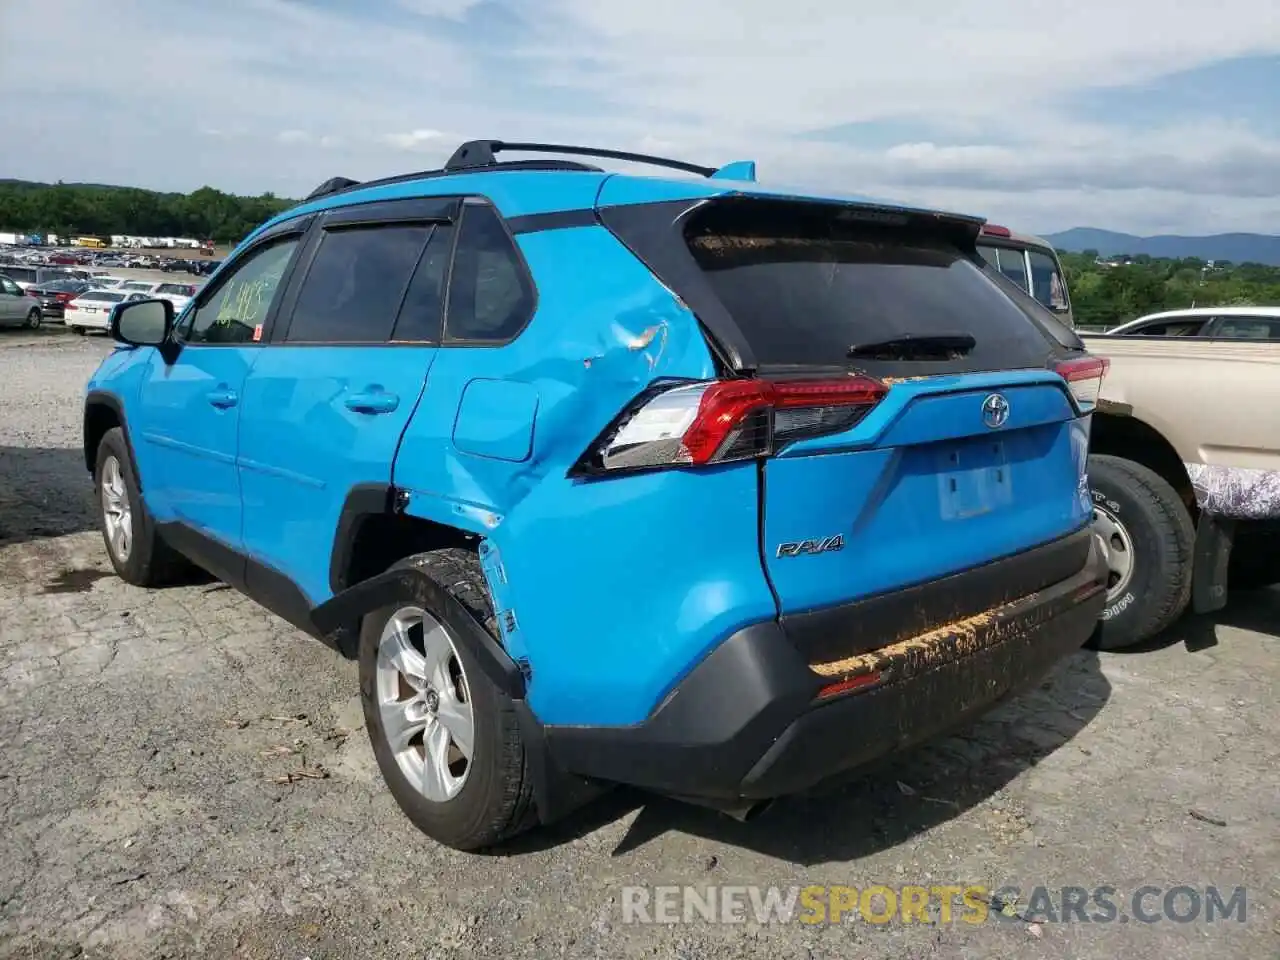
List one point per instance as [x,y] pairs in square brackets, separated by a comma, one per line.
[992,230]
[721,421]
[1084,377]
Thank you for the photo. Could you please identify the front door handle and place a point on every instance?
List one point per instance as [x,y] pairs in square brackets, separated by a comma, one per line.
[372,400]
[223,398]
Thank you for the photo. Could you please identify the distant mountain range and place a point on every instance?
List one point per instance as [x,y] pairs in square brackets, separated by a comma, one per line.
[1236,247]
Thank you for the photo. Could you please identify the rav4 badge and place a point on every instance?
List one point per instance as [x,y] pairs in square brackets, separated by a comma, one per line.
[802,547]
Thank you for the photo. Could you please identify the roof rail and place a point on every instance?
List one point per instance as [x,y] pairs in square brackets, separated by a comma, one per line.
[480,153]
[332,185]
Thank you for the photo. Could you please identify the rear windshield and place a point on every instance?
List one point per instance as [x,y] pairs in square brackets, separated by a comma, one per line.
[102,295]
[806,289]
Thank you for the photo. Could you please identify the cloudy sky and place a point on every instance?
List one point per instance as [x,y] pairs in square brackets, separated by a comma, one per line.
[1138,115]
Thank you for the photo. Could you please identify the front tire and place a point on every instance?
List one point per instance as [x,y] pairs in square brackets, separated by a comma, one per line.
[1150,541]
[33,320]
[446,738]
[136,551]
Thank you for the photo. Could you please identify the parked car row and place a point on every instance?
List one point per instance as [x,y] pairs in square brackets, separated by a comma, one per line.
[81,305]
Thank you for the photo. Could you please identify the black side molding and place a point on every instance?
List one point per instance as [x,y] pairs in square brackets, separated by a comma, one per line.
[413,586]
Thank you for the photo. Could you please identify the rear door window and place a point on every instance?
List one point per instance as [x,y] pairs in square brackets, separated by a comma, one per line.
[805,289]
[356,282]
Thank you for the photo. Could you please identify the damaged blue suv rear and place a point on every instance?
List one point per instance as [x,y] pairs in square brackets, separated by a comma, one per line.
[681,482]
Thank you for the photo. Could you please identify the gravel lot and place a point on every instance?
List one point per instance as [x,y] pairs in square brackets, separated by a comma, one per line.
[141,735]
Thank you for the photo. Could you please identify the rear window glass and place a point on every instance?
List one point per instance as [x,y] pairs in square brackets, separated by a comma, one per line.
[103,295]
[805,289]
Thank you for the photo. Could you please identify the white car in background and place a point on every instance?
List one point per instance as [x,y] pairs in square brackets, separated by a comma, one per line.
[92,309]
[179,294]
[108,283]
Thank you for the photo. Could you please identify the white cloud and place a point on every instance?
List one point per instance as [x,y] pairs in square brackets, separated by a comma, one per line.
[414,139]
[711,82]
[448,9]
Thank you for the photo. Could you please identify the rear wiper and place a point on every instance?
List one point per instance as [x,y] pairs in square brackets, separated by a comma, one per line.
[938,346]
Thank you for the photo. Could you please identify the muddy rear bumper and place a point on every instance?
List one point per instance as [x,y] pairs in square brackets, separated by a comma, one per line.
[757,719]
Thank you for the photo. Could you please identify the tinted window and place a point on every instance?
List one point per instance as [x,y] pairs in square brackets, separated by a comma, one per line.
[805,289]
[1249,328]
[1046,281]
[355,284]
[990,254]
[181,289]
[1013,266]
[21,274]
[422,312]
[103,295]
[10,287]
[240,304]
[490,298]
[1170,328]
[136,285]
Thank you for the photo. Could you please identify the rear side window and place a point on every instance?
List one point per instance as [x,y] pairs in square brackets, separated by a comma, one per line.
[490,295]
[806,289]
[355,284]
[1248,328]
[1047,285]
[20,274]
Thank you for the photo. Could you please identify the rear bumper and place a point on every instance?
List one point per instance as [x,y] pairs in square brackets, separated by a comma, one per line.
[748,723]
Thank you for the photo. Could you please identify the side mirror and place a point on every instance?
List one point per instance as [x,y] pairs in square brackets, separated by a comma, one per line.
[142,323]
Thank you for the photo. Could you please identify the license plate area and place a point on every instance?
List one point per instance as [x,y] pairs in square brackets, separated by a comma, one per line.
[974,478]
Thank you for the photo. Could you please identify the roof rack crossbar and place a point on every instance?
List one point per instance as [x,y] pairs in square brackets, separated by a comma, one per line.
[480,153]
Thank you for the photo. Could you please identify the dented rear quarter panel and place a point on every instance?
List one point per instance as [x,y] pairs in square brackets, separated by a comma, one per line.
[615,588]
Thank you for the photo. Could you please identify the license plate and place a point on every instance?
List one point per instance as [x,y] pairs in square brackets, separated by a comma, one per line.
[973,479]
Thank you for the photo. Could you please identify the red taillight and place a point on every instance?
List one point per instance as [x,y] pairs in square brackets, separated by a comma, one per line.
[991,230]
[64,297]
[1084,377]
[722,421]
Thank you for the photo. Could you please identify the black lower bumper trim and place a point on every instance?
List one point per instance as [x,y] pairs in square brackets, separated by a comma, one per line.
[746,724]
[850,629]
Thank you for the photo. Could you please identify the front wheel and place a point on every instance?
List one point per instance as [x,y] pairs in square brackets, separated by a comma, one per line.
[136,551]
[446,738]
[33,320]
[1149,538]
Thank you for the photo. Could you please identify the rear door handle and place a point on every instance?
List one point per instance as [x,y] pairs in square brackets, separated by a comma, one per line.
[223,398]
[373,400]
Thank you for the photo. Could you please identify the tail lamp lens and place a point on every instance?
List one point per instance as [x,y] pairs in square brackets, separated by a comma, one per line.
[722,421]
[1084,377]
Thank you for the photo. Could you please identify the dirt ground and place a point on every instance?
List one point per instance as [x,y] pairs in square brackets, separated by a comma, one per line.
[147,738]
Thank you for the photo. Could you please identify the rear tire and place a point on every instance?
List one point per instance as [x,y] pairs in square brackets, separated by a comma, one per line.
[138,555]
[33,320]
[1150,539]
[488,795]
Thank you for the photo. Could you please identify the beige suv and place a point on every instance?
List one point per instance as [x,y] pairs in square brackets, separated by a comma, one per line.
[1185,471]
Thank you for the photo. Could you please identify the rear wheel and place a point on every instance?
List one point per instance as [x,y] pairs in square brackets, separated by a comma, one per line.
[33,320]
[446,738]
[1149,539]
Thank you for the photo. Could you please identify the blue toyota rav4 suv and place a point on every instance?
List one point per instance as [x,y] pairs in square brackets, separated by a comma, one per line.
[679,482]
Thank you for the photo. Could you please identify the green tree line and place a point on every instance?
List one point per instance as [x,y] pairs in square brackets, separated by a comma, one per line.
[1104,295]
[86,210]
